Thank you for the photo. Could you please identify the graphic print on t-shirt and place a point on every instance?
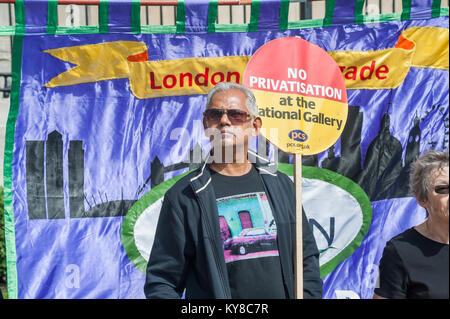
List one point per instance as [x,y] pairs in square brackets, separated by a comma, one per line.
[247,226]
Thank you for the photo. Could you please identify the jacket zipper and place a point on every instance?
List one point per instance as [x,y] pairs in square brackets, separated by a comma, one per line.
[216,258]
[277,220]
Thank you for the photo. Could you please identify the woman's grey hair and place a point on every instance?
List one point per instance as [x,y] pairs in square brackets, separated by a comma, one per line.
[421,170]
[250,101]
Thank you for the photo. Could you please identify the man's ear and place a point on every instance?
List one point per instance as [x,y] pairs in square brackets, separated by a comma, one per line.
[257,123]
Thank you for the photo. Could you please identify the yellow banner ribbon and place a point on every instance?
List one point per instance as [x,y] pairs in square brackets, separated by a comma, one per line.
[422,47]
[184,76]
[95,62]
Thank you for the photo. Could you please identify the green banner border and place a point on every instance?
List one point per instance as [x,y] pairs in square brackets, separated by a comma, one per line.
[242,27]
[103,21]
[179,27]
[10,232]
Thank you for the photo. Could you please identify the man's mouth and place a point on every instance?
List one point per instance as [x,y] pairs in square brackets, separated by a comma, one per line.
[227,134]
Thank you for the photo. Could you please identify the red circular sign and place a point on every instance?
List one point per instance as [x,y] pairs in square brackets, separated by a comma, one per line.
[301,94]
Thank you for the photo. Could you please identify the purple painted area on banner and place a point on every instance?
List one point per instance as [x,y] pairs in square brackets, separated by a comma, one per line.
[77,256]
[421,9]
[35,15]
[421,4]
[120,15]
[344,11]
[196,16]
[269,14]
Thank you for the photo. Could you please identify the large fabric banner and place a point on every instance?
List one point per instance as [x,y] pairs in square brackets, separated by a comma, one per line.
[104,119]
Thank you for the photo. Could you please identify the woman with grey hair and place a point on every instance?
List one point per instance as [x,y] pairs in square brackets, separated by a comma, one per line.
[415,263]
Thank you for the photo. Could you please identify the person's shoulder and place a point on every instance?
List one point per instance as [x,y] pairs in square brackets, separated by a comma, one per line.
[183,185]
[284,178]
[279,178]
[405,242]
[282,175]
[407,235]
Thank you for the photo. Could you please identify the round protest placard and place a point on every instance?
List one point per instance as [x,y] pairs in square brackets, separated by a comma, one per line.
[301,95]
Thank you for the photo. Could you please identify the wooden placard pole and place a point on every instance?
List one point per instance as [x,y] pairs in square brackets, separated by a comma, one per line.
[298,271]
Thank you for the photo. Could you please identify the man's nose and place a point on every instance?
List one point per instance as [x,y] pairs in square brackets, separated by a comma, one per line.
[224,120]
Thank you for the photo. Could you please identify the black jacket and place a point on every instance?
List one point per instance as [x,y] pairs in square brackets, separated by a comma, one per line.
[187,251]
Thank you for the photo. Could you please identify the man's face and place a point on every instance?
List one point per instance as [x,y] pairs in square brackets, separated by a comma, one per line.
[230,129]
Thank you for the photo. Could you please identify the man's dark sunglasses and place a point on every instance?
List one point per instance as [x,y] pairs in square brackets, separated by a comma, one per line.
[441,189]
[235,116]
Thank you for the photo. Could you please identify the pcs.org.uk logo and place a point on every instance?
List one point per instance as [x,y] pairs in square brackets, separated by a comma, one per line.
[298,135]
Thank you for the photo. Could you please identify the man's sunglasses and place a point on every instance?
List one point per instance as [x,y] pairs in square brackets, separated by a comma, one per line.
[441,189]
[235,116]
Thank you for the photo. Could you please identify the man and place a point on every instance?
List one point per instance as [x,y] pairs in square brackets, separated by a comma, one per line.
[227,230]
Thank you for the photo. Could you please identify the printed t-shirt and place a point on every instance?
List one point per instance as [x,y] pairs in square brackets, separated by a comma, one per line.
[249,236]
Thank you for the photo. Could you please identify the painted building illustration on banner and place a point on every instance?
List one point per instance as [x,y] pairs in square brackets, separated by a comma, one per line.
[348,164]
[45,196]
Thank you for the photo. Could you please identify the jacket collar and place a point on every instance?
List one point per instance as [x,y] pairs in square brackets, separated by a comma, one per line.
[202,177]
